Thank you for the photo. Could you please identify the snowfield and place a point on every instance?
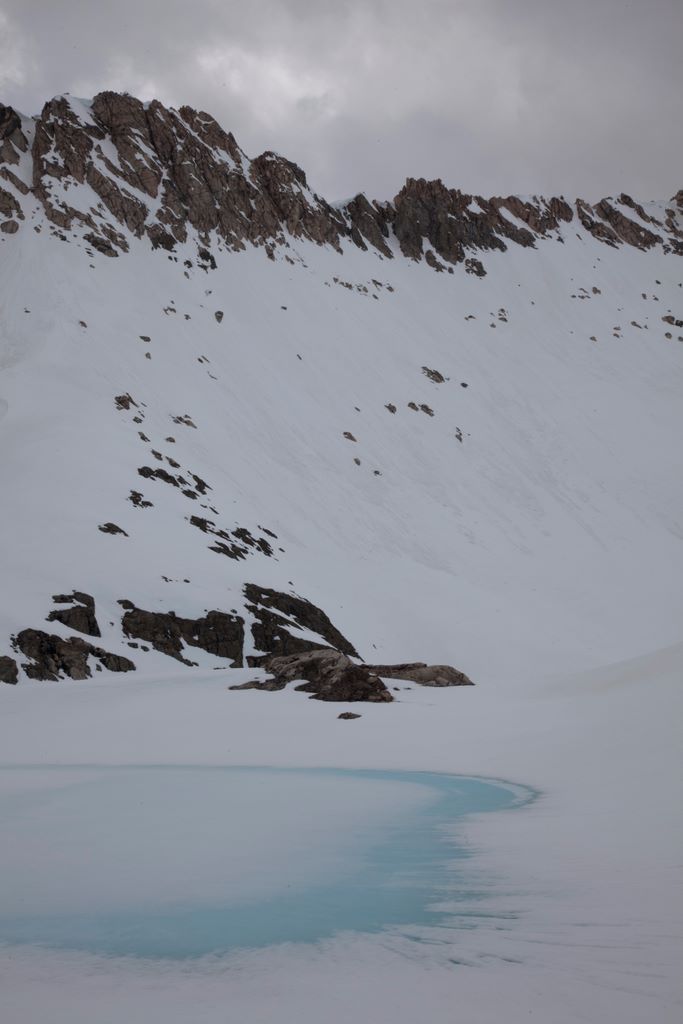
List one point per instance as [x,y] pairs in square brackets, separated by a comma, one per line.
[541,553]
[585,922]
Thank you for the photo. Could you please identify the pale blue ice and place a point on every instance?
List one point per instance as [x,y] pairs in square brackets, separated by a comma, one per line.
[178,862]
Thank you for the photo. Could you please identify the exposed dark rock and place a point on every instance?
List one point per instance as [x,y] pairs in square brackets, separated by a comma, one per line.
[76,595]
[425,675]
[158,473]
[369,222]
[81,616]
[431,261]
[270,685]
[111,528]
[53,658]
[218,633]
[434,375]
[475,267]
[113,662]
[329,676]
[102,245]
[137,498]
[348,716]
[163,174]
[236,544]
[626,230]
[277,614]
[10,122]
[186,420]
[428,211]
[124,401]
[9,672]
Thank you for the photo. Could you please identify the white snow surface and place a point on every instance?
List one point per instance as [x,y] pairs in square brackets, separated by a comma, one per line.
[541,554]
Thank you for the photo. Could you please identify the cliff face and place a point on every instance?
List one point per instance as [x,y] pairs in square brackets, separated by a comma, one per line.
[116,169]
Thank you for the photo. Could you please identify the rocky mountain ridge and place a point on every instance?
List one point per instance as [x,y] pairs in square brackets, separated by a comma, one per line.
[227,404]
[114,169]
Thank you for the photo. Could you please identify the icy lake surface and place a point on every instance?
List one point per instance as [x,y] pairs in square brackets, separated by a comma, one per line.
[177,862]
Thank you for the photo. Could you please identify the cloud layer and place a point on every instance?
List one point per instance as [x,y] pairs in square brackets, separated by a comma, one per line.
[493,96]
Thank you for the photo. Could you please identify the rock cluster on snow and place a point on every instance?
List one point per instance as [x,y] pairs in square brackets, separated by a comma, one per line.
[277,621]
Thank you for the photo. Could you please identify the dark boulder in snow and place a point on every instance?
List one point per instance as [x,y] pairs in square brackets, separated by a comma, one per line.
[80,617]
[328,675]
[9,672]
[52,657]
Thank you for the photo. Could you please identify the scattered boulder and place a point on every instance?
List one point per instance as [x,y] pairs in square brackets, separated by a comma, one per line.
[9,673]
[348,715]
[111,528]
[434,375]
[124,402]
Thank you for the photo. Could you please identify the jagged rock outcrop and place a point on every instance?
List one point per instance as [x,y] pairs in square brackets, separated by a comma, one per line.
[52,657]
[369,222]
[81,616]
[218,633]
[168,175]
[330,675]
[322,659]
[276,614]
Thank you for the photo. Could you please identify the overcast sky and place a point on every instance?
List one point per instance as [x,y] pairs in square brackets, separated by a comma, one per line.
[493,96]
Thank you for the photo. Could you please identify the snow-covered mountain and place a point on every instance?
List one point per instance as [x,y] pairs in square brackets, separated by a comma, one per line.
[449,424]
[239,422]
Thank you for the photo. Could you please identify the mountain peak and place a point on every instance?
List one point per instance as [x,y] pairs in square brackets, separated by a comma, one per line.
[114,170]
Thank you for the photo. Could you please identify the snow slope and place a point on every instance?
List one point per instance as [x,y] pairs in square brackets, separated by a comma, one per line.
[545,539]
[525,527]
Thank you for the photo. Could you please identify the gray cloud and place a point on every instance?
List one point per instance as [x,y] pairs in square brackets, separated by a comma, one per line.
[494,96]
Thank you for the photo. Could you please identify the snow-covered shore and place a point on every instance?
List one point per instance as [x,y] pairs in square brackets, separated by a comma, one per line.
[588,874]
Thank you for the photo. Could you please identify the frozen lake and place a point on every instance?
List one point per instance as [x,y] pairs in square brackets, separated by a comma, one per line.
[177,862]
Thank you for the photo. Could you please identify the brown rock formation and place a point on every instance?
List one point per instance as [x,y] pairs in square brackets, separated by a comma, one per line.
[329,675]
[53,658]
[279,616]
[80,617]
[425,675]
[9,672]
[176,174]
[218,633]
